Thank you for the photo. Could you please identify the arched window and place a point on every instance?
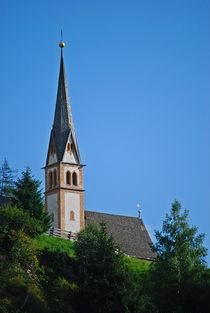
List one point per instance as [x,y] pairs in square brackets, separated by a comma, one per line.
[69,147]
[55,177]
[72,216]
[50,179]
[74,179]
[68,178]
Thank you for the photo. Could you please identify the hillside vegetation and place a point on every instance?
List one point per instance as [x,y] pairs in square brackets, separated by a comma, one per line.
[54,244]
[60,245]
[45,274]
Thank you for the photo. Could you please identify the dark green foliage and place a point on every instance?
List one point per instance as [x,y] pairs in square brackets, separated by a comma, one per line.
[139,294]
[60,282]
[19,268]
[102,274]
[28,196]
[20,299]
[6,179]
[178,271]
[14,219]
[45,274]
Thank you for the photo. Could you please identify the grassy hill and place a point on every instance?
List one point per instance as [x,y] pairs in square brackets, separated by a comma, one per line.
[59,245]
[55,244]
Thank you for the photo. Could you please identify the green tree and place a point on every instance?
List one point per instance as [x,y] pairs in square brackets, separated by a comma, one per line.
[177,273]
[102,278]
[28,196]
[19,268]
[60,281]
[6,179]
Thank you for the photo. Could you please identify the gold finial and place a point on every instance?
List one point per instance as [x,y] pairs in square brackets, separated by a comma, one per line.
[61,43]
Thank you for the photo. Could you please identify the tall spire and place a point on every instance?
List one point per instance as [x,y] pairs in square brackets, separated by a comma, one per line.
[64,184]
[63,126]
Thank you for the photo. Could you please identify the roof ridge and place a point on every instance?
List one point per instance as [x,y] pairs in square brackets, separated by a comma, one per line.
[135,217]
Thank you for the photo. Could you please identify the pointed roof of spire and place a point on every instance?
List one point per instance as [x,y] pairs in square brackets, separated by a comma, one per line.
[63,126]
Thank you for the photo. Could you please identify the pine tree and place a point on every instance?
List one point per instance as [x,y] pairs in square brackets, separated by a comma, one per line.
[102,277]
[28,196]
[6,179]
[177,273]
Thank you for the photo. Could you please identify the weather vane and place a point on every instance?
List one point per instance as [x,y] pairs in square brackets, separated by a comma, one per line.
[61,43]
[139,210]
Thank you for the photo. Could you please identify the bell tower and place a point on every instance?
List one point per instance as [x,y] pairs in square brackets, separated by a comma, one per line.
[64,185]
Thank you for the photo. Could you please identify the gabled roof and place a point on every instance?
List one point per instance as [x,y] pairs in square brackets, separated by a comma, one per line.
[129,232]
[63,125]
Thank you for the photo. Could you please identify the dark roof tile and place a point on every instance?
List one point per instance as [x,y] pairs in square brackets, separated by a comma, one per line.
[129,232]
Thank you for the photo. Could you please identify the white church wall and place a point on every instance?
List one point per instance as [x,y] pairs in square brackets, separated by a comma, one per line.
[52,207]
[69,157]
[72,203]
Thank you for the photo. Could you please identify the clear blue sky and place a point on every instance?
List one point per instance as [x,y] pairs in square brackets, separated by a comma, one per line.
[139,77]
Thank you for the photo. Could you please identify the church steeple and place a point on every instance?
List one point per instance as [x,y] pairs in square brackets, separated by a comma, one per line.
[63,126]
[64,188]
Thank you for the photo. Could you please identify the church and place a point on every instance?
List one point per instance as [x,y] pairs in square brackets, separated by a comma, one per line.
[64,183]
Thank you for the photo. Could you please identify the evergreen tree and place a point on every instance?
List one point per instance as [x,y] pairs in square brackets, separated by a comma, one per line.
[28,196]
[19,269]
[102,278]
[6,179]
[177,273]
